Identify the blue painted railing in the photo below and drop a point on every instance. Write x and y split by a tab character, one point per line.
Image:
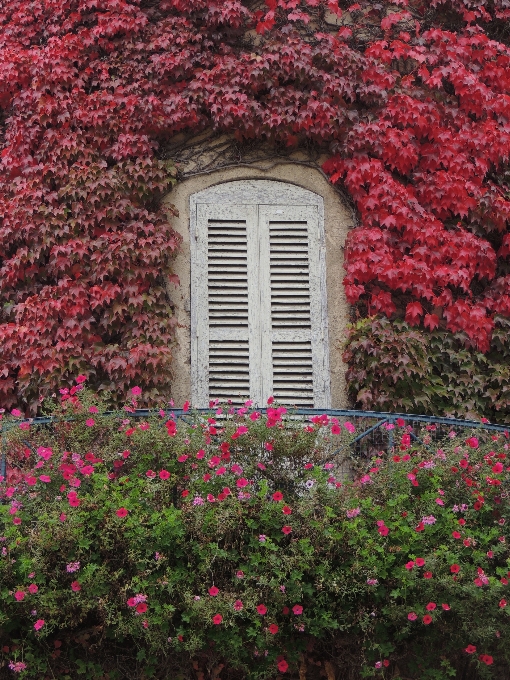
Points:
374	433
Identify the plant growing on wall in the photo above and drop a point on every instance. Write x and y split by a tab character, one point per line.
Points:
411	99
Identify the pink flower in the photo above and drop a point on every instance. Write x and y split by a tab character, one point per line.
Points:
24	426
131	602
297	609
240	574
121	512
164	474
90	422
217	619
75	585
349	427
238	605
45	478
31	481
439	501
135	391
420	561
213	591
241	483
412	616
335	429
185	406
182	458
19	595
384	531
255	415
93	409
63	517
39	624
446	607
431	606
15	412
286	530
33	588
16	520
150	474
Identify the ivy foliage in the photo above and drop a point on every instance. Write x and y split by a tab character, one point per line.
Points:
410	99
395	367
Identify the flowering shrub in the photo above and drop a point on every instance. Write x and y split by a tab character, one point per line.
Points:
231	542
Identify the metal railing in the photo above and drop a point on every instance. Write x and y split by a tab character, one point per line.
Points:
374	430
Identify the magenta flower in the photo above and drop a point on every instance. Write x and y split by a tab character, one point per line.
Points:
412	616
19	595
136	391
39	624
213	591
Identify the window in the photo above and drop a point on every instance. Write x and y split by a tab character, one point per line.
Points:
258	295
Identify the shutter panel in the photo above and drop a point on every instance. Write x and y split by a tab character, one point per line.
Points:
224	282
294	359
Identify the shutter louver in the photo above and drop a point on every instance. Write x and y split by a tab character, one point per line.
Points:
290	313
227	278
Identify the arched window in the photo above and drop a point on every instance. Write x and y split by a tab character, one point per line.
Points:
258	295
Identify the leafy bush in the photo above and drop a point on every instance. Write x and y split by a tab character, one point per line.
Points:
393	366
230	544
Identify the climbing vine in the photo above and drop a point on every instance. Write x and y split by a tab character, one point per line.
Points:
410	99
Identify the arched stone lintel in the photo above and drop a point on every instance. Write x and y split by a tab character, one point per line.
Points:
338	220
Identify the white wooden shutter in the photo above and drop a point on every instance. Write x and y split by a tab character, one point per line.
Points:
258	297
294	362
225	301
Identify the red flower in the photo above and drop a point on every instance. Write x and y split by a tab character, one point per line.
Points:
297	609
446	607
462	522
286	510
502	603
286	529
431	606
121	512
261	609
285	611
486	658
409	565
278	496
141	608
217	619
241	483
273	629
420	527
282	666
384	531
420	561
33	588
455	568
455	534
477	505
427	574
75	585
427	619
470	649
386	663
213	591
185	493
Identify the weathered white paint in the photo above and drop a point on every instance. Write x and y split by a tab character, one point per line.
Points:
258	285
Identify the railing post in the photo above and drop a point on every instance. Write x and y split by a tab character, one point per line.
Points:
391	437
